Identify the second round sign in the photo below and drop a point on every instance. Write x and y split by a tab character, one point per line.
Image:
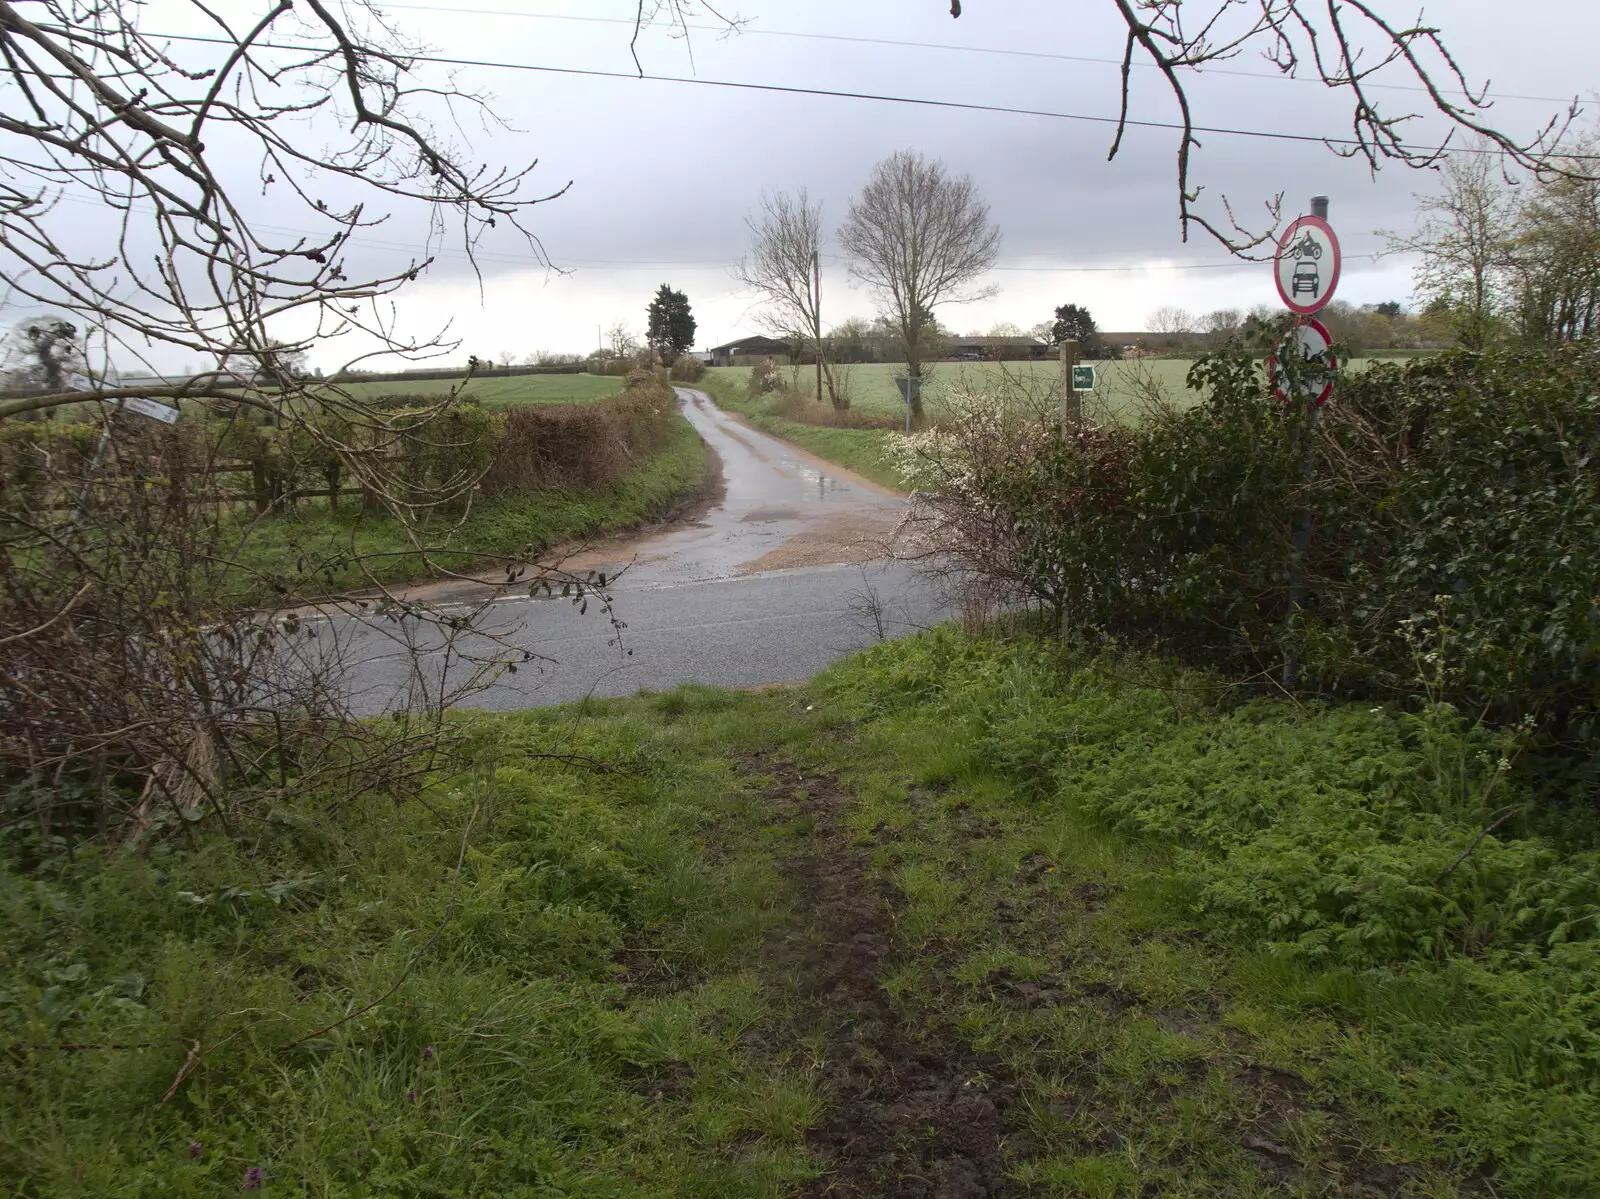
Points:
1307	265
1308	346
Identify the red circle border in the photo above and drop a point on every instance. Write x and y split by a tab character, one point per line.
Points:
1338	265
1333	362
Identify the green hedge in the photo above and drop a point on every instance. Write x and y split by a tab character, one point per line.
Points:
1454	530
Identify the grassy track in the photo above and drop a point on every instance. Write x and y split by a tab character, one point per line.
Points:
508	392
903	928
317	545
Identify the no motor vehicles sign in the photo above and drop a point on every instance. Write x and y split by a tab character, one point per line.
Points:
1307	265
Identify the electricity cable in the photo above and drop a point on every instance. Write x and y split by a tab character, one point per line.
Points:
744	30
877	97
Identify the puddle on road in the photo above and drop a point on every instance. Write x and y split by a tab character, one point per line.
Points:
763	516
825	483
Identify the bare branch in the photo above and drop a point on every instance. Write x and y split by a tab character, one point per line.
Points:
1350	47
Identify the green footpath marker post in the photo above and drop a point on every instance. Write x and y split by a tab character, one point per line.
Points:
1071	407
1083	377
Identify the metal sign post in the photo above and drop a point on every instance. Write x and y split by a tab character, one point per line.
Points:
1306	269
909	386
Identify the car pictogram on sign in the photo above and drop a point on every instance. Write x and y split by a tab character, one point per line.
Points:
1307	265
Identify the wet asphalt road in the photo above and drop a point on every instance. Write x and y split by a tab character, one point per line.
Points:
781	579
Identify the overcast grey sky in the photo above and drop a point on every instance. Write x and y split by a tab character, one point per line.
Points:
663	174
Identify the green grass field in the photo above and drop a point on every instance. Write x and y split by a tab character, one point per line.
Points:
872	386
510	392
1117	397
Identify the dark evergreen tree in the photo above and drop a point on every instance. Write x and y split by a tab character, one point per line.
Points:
1073	323
670	328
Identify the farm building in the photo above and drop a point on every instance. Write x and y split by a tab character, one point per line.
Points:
747	351
989	349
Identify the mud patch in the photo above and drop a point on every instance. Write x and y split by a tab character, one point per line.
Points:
910	1112
847	538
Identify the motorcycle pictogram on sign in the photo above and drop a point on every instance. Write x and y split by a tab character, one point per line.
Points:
1307	265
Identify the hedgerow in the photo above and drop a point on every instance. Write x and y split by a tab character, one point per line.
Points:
1453	506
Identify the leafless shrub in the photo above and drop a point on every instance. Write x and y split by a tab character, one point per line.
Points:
803	409
955	528
578	446
137	684
152	659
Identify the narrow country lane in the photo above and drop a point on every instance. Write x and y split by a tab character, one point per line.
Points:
787	574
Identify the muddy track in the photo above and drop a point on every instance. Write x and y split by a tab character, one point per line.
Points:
910	1112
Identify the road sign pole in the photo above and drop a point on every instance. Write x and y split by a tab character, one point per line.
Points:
1300	531
1071	406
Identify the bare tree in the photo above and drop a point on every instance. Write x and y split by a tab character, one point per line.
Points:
1555	258
1348	47
783	268
99	112
919	237
675	15
1170	321
1463	237
621	341
1221	323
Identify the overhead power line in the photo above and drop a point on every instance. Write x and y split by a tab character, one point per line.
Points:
654	264
900	43
840	94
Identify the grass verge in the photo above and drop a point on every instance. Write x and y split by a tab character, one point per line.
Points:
570	974
858	450
317	548
1005	917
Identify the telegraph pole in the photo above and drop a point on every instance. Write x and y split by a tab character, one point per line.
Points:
816	312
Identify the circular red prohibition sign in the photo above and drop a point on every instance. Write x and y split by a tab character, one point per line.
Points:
1310	339
1306	268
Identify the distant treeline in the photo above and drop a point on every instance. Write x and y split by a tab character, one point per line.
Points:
455	372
